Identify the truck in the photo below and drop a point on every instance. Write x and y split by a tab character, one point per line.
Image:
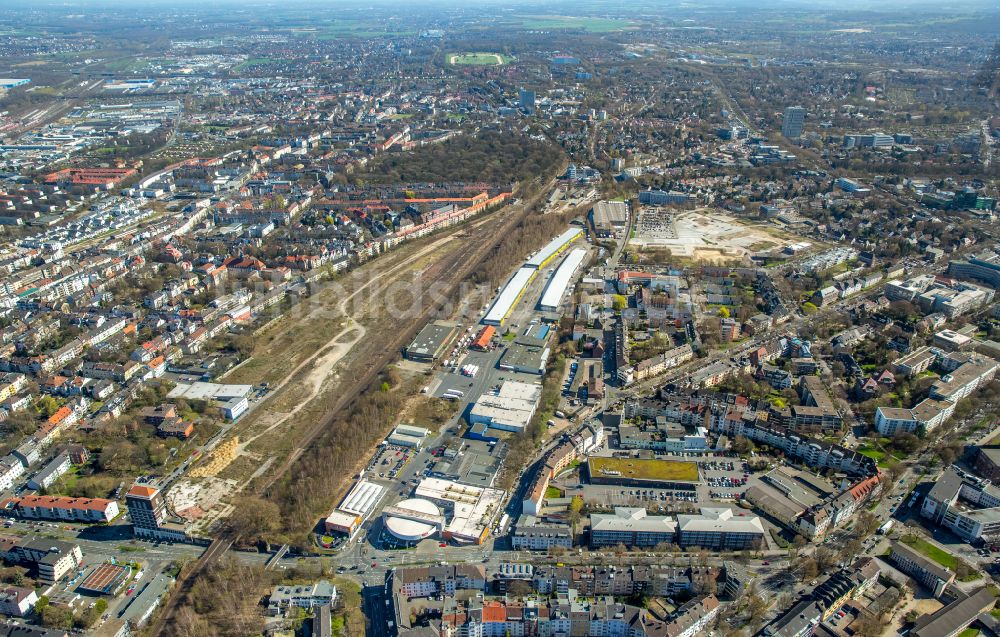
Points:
885	528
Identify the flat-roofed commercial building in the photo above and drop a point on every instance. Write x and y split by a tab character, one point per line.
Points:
533	535
719	529
968	506
987	463
510	409
408	436
471	510
527	355
984	268
106	579
631	526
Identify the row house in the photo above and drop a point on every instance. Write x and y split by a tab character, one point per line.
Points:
747	422
43	507
431	581
120	373
105	330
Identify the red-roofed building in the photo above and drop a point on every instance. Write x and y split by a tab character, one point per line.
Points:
44	507
494	612
93	178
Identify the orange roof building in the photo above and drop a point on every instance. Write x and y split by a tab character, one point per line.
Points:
46	507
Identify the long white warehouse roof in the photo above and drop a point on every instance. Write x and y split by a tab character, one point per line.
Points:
553	247
508	296
560	280
362	498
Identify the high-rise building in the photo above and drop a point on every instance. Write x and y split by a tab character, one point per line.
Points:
148	510
791	124
527	100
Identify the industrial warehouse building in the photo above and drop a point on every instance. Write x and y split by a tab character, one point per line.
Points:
610	218
431	342
512	291
556	288
408	436
510	409
527	355
553	248
232	400
509	296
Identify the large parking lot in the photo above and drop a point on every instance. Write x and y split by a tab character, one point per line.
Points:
389	461
723	479
610	496
726	478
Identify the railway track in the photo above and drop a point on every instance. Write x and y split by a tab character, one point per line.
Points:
215	550
451	271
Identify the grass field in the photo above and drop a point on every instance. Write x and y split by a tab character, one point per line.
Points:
477	59
872	453
633	468
593	25
253	62
925	548
939	555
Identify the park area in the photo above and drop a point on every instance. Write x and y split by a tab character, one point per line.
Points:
477	59
609	469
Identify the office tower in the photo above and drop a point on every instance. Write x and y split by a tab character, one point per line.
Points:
791	125
527	100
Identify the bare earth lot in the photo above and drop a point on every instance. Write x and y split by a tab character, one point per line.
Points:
701	235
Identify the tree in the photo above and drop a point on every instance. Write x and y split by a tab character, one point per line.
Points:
519	588
618	302
894	470
742	445
825	558
756	605
809	569
866	524
575	509
253	518
56	617
47	405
